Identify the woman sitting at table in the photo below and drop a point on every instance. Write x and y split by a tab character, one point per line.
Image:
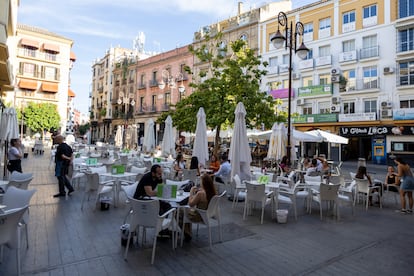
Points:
214	163
199	198
392	179
326	169
194	165
179	165
362	174
284	166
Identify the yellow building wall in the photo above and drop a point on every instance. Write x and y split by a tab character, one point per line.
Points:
316	15
357	6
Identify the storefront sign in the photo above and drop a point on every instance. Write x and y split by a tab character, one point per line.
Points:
308	91
315	118
404	114
376	130
282	93
353	117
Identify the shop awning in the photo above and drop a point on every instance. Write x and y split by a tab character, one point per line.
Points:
50	87
29	42
51	47
72	56
28	84
71	93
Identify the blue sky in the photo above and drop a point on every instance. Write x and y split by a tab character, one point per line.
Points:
96	25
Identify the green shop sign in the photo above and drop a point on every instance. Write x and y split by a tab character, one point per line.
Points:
308	91
316	118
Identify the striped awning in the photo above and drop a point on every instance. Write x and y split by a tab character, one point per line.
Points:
51	47
29	42
50	87
28	84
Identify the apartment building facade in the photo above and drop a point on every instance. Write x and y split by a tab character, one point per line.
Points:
8	26
243	26
357	79
42	61
102	89
161	83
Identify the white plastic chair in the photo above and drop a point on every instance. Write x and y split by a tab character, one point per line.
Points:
363	188
21	184
10	232
257	193
15	175
328	193
289	195
347	195
239	187
18	198
145	213
207	217
94	186
190	175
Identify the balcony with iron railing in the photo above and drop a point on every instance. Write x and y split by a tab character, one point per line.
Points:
166	107
141	85
153	83
153	108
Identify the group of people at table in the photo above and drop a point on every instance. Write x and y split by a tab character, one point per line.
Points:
199	195
401	181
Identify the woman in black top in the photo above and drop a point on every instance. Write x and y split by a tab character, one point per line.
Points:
392	179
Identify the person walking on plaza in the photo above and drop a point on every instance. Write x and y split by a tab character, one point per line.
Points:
15	156
407	184
63	158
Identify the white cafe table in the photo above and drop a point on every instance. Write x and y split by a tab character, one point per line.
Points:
270	185
118	179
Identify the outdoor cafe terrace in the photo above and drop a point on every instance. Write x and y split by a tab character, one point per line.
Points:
64	239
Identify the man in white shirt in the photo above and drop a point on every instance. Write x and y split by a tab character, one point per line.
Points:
223	174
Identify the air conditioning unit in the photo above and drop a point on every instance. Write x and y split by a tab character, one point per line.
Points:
336	108
388	70
295	76
335	71
300	102
335	78
385	105
336	100
387	113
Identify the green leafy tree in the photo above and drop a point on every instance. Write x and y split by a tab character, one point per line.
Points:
84	128
40	117
233	75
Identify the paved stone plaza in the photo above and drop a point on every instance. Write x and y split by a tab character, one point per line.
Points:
63	240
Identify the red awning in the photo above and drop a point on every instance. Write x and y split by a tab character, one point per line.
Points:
72	56
28	84
29	42
71	93
51	47
50	87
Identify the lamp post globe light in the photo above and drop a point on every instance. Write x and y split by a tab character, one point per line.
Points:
171	81
129	104
290	41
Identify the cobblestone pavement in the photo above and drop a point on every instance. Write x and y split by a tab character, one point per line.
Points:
63	240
